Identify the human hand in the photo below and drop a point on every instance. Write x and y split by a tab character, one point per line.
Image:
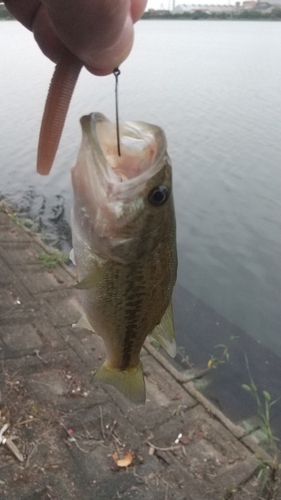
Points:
95	33
98	32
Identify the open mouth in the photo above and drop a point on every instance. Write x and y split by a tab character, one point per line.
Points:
137	149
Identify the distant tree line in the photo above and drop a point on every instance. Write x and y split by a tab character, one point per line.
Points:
275	15
4	14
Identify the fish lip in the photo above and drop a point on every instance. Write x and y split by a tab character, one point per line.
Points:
103	171
89	131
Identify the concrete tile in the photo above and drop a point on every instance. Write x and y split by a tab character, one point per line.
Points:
236	474
164	397
46	390
11	233
25	332
19	336
63	306
21	252
6	275
7	300
89	347
37	279
213	456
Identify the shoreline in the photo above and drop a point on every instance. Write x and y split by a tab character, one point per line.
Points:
173	406
200	330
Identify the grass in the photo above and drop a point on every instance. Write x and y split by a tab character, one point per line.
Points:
53	259
269	476
16	219
214	360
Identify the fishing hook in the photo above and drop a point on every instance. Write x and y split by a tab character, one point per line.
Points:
116	73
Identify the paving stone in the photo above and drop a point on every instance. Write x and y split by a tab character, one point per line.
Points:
51	385
55	380
247	491
37	279
20	337
185	486
54	490
100	419
68	428
21	253
44	474
14	296
138	492
7	300
164	397
236	474
4	219
22	333
203	430
96	464
63	306
89	347
212	455
124	485
6	275
10	233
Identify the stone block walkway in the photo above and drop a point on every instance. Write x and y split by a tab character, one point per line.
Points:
64	435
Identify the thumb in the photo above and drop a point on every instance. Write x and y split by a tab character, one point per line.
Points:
98	32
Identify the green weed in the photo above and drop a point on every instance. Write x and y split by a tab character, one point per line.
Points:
269	476
53	259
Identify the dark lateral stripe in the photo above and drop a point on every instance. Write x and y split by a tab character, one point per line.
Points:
135	287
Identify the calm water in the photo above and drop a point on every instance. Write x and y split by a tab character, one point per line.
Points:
215	89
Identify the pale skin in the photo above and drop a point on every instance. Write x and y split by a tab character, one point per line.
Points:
97	34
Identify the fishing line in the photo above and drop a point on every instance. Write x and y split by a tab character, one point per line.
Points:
116	73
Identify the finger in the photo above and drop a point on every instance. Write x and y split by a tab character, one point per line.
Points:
24	14
99	32
104	61
137	9
45	35
33	15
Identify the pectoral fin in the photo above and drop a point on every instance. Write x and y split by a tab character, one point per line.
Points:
83	323
72	257
164	333
91	280
129	382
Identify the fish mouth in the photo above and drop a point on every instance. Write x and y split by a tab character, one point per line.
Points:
142	148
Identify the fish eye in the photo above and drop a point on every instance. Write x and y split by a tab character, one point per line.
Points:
158	196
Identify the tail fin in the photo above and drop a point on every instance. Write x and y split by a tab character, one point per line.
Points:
130	382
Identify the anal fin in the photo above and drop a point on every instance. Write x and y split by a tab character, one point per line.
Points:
83	323
72	257
164	333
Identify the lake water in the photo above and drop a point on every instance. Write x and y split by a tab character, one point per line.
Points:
214	87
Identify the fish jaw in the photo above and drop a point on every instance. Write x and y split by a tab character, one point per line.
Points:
111	202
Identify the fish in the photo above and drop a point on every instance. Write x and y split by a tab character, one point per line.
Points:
124	245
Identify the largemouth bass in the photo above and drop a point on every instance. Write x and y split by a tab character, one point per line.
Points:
124	245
